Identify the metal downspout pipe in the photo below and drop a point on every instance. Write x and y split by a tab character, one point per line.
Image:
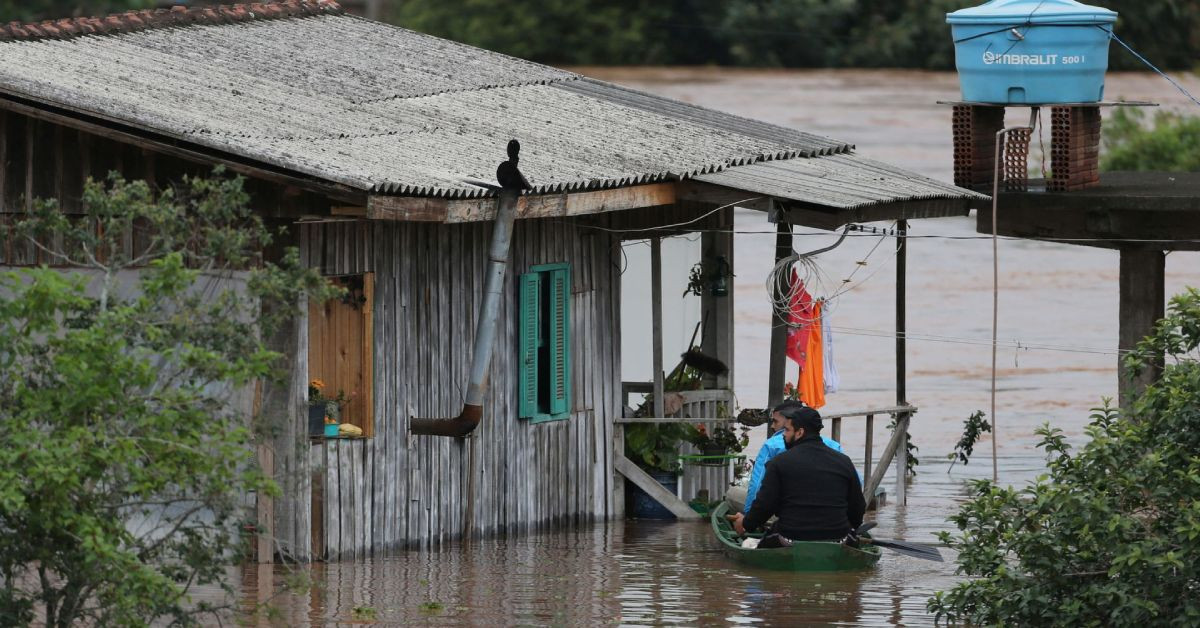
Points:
485	331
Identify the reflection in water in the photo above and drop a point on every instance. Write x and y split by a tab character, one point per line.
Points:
630	573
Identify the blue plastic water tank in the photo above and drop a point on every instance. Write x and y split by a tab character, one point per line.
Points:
1031	51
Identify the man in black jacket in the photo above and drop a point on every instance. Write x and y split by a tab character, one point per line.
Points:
813	489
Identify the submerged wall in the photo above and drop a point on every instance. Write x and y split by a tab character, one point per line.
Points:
398	490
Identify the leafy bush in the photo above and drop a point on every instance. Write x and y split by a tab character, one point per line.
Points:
124	458
35	10
1171	142
796	33
1111	534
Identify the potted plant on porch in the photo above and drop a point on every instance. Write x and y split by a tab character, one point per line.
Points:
323	412
654	447
719	441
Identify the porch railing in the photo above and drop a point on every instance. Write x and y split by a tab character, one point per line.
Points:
896	448
704	407
710	408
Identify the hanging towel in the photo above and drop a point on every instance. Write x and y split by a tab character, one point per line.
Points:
811	384
800	315
831	374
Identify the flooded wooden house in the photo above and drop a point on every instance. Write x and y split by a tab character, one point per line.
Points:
378	147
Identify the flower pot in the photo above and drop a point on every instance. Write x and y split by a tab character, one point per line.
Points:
331	430
316	419
639	505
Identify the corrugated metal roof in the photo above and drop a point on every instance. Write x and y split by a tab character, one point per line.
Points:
839	181
392	111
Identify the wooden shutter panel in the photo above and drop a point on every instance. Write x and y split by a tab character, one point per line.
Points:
560	341
530	324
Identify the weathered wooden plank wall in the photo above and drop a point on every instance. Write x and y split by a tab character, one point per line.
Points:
398	490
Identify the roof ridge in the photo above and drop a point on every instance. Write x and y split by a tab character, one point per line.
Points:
132	21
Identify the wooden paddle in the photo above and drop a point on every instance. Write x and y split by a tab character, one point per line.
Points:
916	550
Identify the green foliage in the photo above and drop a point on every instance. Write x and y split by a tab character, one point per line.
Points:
1170	143
36	10
617	32
910	468
722	439
1166	32
126	453
795	33
655	446
973	428
1110	535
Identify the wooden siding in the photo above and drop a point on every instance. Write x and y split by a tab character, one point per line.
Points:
398	490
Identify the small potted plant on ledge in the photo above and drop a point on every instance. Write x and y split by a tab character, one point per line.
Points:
323	412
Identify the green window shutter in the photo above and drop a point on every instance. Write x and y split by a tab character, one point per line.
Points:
530	325
560	340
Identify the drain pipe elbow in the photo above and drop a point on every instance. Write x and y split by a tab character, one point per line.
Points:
485	331
457	427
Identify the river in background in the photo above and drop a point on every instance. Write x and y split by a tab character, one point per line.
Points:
1058	301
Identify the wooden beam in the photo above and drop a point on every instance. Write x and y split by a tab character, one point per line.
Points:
865	413
777	359
718	311
348	211
820	217
673	419
423	209
720	195
655	490
656	322
414	209
889	452
1142	304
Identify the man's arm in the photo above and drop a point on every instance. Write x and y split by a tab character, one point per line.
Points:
765	453
856	505
767	503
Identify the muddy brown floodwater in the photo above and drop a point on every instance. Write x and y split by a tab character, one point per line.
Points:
1059	302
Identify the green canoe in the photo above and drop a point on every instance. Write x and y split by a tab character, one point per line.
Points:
801	556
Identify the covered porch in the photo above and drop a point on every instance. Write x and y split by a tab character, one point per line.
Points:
834	194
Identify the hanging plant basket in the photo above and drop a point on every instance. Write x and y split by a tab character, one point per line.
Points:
753	417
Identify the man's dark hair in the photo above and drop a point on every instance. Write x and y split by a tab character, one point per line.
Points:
801	416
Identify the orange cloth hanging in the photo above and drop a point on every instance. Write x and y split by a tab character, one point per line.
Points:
811	384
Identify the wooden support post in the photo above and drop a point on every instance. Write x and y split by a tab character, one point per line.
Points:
901	374
618	487
653	488
265	509
656	308
837	430
1143	298
867	460
778	357
876	477
718	311
902	461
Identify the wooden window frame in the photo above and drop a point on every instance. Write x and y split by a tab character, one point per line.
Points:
367	398
544	344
